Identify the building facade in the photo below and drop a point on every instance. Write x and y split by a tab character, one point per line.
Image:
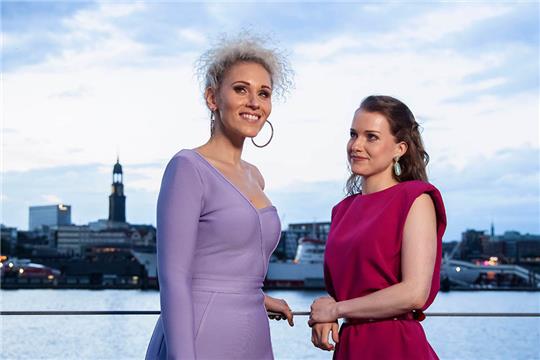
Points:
74	239
49	215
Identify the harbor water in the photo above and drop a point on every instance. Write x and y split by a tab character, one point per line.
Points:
126	336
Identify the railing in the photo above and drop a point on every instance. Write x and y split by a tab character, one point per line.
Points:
295	313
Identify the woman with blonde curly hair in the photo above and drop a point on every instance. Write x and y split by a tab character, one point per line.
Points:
216	228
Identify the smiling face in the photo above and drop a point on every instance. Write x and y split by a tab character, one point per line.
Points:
243	101
372	147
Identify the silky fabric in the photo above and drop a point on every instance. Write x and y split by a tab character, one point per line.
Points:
213	248
363	255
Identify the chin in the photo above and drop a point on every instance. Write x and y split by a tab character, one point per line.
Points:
251	131
359	171
250	134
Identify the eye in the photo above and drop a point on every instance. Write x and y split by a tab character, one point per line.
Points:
240	89
372	137
353	134
265	94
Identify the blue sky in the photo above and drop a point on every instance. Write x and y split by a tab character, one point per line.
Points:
85	80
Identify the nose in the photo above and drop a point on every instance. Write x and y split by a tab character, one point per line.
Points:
252	101
357	145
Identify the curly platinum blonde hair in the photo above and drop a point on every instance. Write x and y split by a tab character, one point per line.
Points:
228	51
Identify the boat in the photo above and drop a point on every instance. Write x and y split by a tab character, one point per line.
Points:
488	274
25	270
147	257
305	271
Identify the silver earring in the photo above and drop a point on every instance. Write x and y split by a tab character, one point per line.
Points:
212	121
397	167
271	136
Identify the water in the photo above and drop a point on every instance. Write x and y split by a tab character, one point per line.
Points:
126	337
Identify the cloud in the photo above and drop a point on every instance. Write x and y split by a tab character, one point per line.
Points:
193	36
51	199
9	131
425	30
503	188
445	20
85	82
30	30
71	93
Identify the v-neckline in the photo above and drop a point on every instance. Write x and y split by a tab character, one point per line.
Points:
221	175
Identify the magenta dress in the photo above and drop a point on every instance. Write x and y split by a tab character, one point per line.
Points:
213	249
363	255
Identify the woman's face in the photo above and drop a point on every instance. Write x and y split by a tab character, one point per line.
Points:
243	100
372	147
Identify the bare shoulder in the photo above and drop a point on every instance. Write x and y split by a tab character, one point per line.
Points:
424	202
254	172
422	208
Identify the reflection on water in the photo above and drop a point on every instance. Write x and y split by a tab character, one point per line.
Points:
126	337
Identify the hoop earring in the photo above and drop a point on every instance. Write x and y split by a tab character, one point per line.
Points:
397	167
271	136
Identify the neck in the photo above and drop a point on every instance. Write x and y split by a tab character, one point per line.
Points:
225	149
377	182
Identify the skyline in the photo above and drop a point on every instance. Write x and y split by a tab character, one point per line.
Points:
84	81
492	226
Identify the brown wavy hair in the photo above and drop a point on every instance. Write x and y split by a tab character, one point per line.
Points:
403	127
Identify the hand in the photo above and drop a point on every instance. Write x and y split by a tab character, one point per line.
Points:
279	306
320	332
323	310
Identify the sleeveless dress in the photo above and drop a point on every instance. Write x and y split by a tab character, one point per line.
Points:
213	248
363	255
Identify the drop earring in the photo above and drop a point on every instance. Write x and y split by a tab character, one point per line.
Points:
397	167
212	121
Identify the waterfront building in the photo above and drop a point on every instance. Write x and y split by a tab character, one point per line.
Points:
143	235
73	240
8	236
49	215
511	247
473	243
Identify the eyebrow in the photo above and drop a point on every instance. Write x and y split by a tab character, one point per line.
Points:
367	131
247	83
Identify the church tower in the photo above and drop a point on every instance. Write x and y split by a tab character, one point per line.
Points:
117	199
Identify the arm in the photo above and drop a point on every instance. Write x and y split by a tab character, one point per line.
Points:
178	211
418	255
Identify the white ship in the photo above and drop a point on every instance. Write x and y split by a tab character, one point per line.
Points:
466	274
305	271
146	256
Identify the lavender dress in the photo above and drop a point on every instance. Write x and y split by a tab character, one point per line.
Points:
213	249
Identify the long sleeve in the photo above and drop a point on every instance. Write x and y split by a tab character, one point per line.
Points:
178	211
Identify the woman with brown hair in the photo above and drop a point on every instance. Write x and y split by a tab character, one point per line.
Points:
383	253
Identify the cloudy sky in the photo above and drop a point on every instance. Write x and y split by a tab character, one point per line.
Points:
85	81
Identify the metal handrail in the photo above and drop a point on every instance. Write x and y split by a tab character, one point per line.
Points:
295	313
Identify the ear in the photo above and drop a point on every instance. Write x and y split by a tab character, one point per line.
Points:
401	149
211	100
